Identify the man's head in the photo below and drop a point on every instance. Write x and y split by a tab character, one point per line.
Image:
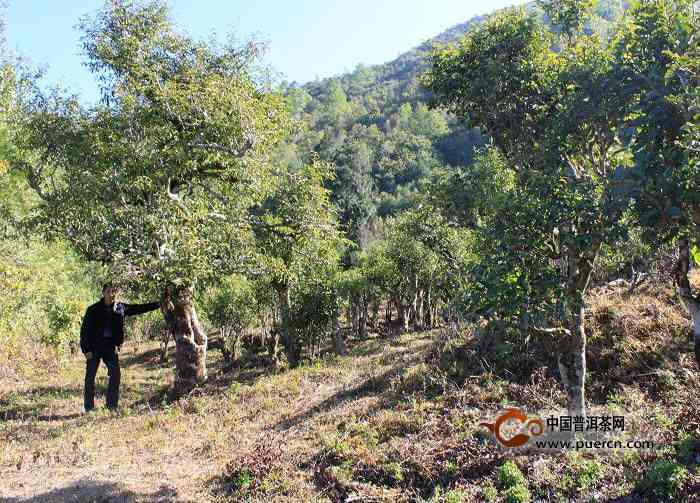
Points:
109	292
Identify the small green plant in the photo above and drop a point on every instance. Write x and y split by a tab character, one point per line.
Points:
451	468
394	470
368	433
337	448
489	492
63	320
663	420
517	494
233	389
664	479
616	399
566	484
509	475
685	448
454	496
243	479
250	471
586	473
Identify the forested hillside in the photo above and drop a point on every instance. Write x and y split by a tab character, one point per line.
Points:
375	126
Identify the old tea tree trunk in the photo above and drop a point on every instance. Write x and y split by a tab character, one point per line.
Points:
572	350
691	301
190	340
571	339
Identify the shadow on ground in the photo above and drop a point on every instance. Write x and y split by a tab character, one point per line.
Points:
30	403
377	385
150	357
87	490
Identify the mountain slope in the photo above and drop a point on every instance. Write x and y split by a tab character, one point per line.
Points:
396	419
374	125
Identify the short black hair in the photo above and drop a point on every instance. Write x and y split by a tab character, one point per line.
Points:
107	285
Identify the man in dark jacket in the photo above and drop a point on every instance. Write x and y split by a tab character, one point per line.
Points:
101	335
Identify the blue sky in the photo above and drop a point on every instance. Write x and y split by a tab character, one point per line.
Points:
308	38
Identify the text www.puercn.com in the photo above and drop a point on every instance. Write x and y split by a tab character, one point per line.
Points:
594	444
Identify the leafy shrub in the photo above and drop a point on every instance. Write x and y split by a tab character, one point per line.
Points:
232	309
394	470
509	475
590	472
517	494
585	474
455	496
489	492
64	322
686	447
664	479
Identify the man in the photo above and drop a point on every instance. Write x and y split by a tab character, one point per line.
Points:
101	336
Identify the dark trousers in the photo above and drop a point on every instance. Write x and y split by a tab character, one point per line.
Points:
111	359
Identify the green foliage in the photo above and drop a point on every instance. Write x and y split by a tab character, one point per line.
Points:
489	492
509	475
629	254
557	137
43	286
420	256
296	223
374	126
586	472
685	448
517	494
157	179
233	307
657	55
394	470
298	244
63	322
315	309
568	15
664	479
243	479
455	496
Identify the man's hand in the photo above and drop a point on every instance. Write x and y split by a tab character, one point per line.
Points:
88	355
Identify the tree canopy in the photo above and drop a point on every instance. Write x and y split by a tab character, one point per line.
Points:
156	180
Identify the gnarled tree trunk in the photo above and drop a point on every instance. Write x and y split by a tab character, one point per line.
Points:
190	340
572	345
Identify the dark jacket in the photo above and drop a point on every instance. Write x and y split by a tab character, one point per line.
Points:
99	315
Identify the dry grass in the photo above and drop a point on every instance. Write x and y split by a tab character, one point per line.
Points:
394	420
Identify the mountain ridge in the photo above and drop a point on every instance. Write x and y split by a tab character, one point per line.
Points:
374	125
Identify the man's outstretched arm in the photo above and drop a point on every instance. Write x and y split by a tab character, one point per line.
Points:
134	309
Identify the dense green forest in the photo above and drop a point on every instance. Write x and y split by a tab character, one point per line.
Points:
523	188
386	144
